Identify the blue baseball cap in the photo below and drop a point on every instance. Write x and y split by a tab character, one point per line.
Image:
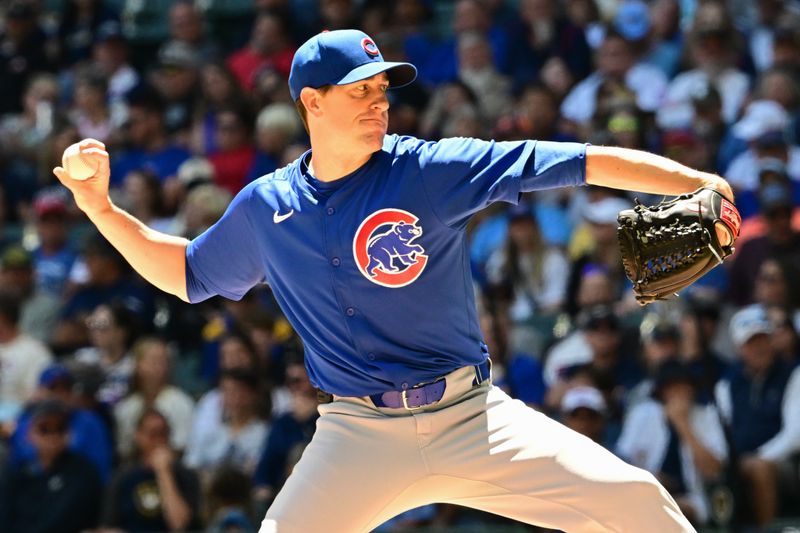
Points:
340	57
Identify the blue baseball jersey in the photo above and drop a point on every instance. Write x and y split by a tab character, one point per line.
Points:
372	270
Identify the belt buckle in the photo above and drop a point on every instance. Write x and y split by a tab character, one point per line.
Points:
404	396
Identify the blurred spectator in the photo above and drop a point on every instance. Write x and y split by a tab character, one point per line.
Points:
438	62
22	359
241	433
269	45
149	146
193	172
449	102
151	388
144	199
585	14
615	65
204	205
713	49
534	270
218	90
515	366
780	240
779	85
277	126
90	114
110	54
89	436
477	71
56	490
186	25
534	116
176	78
295	427
622	125
759	399
108	279
595	245
235	352
676	438
112	331
54	257
709	129
38	310
338	14
228	502
763	126
24	134
666	38
154	492
607	359
773	15
785	338
685	147
546	32
584	410
660	341
270	86
777	284
235	157
556	76
699	326
22	52
785	47
79	23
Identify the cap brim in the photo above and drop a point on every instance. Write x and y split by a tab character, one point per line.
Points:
400	74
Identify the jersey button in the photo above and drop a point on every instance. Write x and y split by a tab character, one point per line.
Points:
336	261
404	385
330	210
350	311
371	356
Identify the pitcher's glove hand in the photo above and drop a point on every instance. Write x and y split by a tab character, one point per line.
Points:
668	246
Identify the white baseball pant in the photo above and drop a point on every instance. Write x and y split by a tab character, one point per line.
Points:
476	447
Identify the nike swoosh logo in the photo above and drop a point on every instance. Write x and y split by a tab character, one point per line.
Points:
276	218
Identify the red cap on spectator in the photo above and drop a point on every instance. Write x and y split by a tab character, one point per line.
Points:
50	204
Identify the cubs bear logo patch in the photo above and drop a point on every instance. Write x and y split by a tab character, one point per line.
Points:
385	251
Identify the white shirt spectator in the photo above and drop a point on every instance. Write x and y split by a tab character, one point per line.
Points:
743	171
645	80
208	412
172	402
242	449
531	294
677	110
22	360
645	439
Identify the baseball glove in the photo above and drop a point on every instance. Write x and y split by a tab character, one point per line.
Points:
668	246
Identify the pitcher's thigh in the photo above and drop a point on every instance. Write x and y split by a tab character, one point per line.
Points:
524	465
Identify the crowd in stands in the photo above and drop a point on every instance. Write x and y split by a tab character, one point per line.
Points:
125	409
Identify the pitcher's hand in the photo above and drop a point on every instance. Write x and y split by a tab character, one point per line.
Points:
91	194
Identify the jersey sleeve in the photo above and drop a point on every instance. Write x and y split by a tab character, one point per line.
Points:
223	260
462	176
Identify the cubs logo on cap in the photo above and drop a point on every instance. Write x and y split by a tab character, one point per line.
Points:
385	251
370	47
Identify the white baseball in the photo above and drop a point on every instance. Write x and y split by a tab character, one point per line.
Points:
78	167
